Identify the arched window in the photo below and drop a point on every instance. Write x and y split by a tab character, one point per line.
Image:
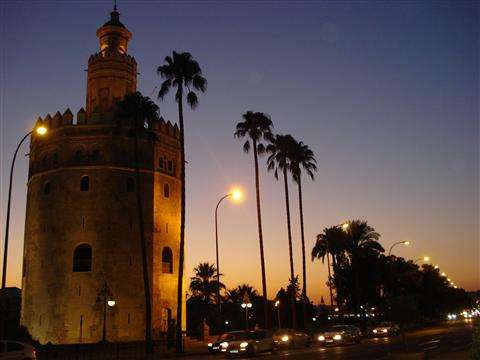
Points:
161	162
167	260
166	190
96	154
47	188
82	258
130	185
85	183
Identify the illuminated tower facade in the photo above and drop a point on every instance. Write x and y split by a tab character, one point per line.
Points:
82	227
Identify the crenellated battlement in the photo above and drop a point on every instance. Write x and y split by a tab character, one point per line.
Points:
108	55
97	117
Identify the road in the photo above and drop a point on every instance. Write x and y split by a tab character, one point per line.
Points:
433	340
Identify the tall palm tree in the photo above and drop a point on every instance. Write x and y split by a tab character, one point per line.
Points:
184	74
330	242
137	108
204	284
361	241
302	159
257	126
281	149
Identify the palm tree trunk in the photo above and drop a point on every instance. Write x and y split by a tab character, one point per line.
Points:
289	227
143	243
329	279
304	264
181	255
260	236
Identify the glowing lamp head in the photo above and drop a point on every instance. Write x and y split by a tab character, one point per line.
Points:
111	303
41	130
426	258
285	338
345	226
236	194
406	243
443	274
249	305
277	303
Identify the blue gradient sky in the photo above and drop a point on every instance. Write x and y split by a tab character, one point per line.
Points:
385	93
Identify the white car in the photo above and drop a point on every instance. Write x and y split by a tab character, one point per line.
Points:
14	350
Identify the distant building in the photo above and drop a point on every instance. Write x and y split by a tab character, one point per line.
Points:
10	303
82	227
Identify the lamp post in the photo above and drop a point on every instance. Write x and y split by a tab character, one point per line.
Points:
424	259
277	305
406	243
236	195
107	301
41	130
246	306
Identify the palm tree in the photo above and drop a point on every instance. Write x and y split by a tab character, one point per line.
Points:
183	73
281	148
330	242
361	242
256	127
236	295
204	284
302	158
140	109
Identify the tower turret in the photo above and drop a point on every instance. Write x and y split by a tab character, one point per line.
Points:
111	72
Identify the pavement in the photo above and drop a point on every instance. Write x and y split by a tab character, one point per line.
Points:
447	341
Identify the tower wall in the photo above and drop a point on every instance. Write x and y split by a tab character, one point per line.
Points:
61	304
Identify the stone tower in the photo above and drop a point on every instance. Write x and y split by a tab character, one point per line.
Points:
82	226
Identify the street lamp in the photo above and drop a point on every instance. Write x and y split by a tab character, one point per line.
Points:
345	226
246	306
406	243
40	130
107	301
277	305
236	194
424	259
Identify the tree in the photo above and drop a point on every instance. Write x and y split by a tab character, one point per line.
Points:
361	243
330	242
237	294
204	284
257	126
302	159
281	148
183	73
140	109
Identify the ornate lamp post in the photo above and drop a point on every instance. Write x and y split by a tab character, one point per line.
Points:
246	304
406	243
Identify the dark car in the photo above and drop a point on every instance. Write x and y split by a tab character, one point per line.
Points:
339	335
385	329
215	347
254	342
291	338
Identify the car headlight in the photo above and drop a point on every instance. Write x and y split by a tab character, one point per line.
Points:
210	344
384	331
285	338
321	338
337	337
224	344
375	331
244	344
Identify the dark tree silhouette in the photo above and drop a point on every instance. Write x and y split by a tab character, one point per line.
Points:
302	159
184	74
281	148
257	126
137	108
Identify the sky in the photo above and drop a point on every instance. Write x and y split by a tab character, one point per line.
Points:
385	93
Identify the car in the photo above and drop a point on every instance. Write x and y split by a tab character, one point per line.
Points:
214	347
254	342
385	329
291	338
15	350
339	335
